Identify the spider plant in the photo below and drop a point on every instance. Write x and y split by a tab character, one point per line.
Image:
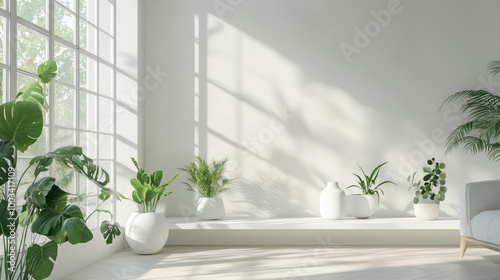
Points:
207	179
367	184
481	132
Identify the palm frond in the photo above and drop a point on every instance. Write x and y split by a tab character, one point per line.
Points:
494	67
207	179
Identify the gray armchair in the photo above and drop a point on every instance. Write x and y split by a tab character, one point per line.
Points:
480	215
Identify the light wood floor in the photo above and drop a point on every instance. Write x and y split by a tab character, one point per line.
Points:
300	262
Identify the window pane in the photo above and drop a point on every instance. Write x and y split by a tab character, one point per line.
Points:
41	145
64	24
105	146
2	4
3	39
106	113
63	137
88	73
70	4
34	11
64	106
105	80
65	58
88	142
106	47
106	16
88	37
64	177
88	10
88	111
31	49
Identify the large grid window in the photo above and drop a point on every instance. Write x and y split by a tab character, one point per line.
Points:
80	36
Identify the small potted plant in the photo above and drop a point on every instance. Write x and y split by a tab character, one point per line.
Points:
429	191
147	230
209	182
363	205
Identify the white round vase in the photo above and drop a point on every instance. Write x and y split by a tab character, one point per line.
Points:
426	209
362	206
332	202
210	208
146	233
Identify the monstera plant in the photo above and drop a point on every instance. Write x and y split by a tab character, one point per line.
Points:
36	215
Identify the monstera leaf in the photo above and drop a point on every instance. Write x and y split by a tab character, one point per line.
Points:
110	231
62	226
37	191
7	216
6	160
21	122
47	71
72	157
40	260
34	93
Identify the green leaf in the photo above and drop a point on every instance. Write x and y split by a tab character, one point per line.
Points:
40	260
6	160
427	177
110	231
442	165
57	198
104	195
105	211
442	182
33	93
37	191
73	157
22	122
47	71
62	226
443	189
415	200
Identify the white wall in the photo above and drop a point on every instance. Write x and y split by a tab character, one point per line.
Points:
267	84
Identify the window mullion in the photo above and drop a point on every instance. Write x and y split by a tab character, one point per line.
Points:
13	51
51	88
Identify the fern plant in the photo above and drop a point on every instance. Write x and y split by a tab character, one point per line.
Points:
481	132
206	179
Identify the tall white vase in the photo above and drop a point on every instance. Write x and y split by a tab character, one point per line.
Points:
146	233
210	208
332	202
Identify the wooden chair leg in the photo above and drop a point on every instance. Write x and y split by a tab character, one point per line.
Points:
464	244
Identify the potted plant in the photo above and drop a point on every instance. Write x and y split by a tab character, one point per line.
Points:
481	130
363	205
46	211
429	191
147	230
209	182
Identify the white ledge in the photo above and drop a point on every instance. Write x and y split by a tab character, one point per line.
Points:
314	223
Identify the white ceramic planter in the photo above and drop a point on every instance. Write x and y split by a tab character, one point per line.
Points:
332	202
210	208
362	206
146	233
426	209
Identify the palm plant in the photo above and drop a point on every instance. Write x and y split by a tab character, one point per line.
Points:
207	179
481	132
367	184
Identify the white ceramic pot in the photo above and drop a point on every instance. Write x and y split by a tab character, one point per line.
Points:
362	206
146	233
426	209
332	202
210	208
